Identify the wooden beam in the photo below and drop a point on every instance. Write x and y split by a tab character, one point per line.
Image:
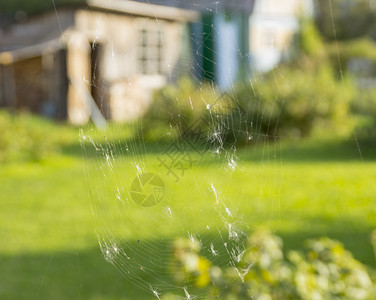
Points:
8	79
146	9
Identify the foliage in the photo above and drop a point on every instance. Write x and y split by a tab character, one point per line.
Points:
341	53
26	137
297	102
325	270
176	108
364	108
356	59
328	271
333	17
304	96
308	40
188	265
269	276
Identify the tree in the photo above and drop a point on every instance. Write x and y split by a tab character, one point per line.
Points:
344	19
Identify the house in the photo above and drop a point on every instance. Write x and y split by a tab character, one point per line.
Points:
105	59
33	64
100	61
219	37
271	28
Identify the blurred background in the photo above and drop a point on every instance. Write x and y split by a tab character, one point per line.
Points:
284	90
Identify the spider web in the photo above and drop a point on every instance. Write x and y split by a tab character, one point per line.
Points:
145	194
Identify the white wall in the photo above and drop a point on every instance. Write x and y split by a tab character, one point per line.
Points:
272	25
227	51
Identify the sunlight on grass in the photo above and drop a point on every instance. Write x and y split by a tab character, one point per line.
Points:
301	190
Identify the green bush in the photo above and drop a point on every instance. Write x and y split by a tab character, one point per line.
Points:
324	270
340	53
304	96
344	20
363	110
328	271
298	103
26	137
308	42
363	104
176	108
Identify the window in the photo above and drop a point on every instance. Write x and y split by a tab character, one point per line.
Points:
269	39
150	53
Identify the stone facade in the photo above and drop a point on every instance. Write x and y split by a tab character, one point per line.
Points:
123	90
95	62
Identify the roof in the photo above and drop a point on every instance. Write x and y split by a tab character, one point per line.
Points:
43	32
145	9
207	6
174	9
33	7
36	35
203	6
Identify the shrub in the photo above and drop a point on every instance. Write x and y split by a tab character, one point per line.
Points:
25	137
325	270
308	41
175	108
342	52
328	271
296	104
299	102
364	110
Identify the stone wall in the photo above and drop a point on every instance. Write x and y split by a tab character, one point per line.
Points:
127	92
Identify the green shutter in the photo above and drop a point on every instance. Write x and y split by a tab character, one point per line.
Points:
208	50
244	70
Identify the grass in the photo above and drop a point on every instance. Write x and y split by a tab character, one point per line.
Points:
49	248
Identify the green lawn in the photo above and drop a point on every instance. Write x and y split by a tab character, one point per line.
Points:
49	248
